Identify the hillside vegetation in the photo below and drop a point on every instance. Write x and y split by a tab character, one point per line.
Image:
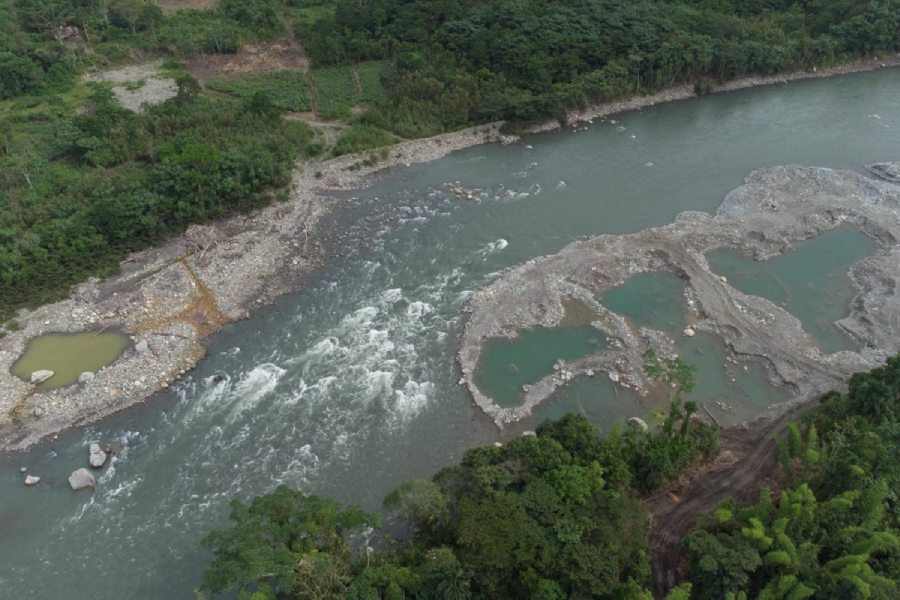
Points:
83	182
559	516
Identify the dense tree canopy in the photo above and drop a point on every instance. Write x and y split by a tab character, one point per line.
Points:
471	60
551	516
834	531
81	182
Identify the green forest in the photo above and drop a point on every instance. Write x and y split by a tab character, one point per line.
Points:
559	515
83	182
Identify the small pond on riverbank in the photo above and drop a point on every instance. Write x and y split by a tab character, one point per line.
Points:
68	355
731	391
507	364
811	281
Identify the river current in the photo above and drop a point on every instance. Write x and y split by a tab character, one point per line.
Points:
350	387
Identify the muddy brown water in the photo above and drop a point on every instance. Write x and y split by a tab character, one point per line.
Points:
68	355
351	387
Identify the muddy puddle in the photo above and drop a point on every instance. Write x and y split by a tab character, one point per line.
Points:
68	355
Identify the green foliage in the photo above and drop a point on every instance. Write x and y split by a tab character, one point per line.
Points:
338	90
552	516
85	190
287	90
835	533
285	544
420	503
456	63
359	137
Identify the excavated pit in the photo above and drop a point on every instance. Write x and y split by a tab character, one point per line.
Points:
775	210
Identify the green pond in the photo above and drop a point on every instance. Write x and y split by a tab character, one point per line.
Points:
731	392
68	355
651	300
506	364
597	398
811	281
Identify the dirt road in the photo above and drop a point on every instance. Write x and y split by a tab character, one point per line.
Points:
671	520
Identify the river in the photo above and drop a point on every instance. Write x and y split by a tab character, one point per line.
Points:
351	387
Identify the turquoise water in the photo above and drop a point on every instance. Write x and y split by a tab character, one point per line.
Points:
651	300
506	364
811	281
731	392
598	399
351	387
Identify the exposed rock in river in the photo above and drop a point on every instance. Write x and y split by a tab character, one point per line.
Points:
809	202
81	479
96	456
637	423
86	377
32	480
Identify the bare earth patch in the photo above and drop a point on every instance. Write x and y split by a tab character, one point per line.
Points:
170	6
138	85
284	55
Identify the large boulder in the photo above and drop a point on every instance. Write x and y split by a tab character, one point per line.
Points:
86	377
81	479
637	423
32	480
41	376
96	455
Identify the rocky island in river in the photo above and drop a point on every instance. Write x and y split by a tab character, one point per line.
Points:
773	211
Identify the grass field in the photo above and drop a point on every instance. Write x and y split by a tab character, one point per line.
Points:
288	90
338	92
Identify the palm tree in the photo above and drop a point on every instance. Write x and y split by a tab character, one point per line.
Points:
453	586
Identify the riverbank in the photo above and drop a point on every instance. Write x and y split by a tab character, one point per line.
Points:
174	296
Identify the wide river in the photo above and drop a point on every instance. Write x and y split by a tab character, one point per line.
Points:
350	387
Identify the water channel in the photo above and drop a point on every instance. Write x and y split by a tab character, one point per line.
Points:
350	387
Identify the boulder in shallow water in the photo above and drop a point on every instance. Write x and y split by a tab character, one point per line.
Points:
86	377
81	479
637	423
689	331
32	480
41	375
96	455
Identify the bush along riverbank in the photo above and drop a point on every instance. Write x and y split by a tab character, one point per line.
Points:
558	515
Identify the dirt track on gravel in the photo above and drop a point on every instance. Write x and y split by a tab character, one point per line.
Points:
674	512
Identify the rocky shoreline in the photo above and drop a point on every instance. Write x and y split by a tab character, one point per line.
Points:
773	211
169	299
